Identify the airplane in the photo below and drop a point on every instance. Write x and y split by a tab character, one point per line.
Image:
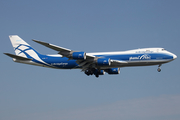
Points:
89	63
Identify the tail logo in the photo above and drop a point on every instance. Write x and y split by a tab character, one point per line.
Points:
22	49
29	52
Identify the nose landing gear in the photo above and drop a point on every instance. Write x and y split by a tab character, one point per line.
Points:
159	69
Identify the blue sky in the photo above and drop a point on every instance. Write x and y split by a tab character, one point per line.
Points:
138	93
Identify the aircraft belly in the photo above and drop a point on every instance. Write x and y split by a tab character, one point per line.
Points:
135	63
143	63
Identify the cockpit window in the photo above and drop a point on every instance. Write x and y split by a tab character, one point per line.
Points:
163	49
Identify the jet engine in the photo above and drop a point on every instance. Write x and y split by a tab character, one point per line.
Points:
79	55
113	71
103	62
101	72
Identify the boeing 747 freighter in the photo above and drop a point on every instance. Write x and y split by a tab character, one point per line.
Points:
90	63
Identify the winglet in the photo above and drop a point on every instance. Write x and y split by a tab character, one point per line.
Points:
40	42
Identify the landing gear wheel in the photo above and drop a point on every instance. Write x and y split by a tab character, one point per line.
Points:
159	69
87	72
97	75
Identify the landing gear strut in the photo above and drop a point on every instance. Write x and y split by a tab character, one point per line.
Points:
159	69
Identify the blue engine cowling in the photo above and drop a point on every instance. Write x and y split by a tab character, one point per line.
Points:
79	55
103	62
101	72
113	71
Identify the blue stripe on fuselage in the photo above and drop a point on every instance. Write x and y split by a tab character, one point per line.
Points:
62	62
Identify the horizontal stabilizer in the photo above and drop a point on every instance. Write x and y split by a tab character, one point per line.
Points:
17	57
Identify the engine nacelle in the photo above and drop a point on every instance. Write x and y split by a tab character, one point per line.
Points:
113	71
103	62
101	72
79	55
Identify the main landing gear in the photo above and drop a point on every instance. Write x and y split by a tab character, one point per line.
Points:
159	69
91	72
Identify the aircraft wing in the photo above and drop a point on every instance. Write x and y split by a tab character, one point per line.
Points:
61	50
85	63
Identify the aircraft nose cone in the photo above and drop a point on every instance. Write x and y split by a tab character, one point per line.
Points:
174	56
